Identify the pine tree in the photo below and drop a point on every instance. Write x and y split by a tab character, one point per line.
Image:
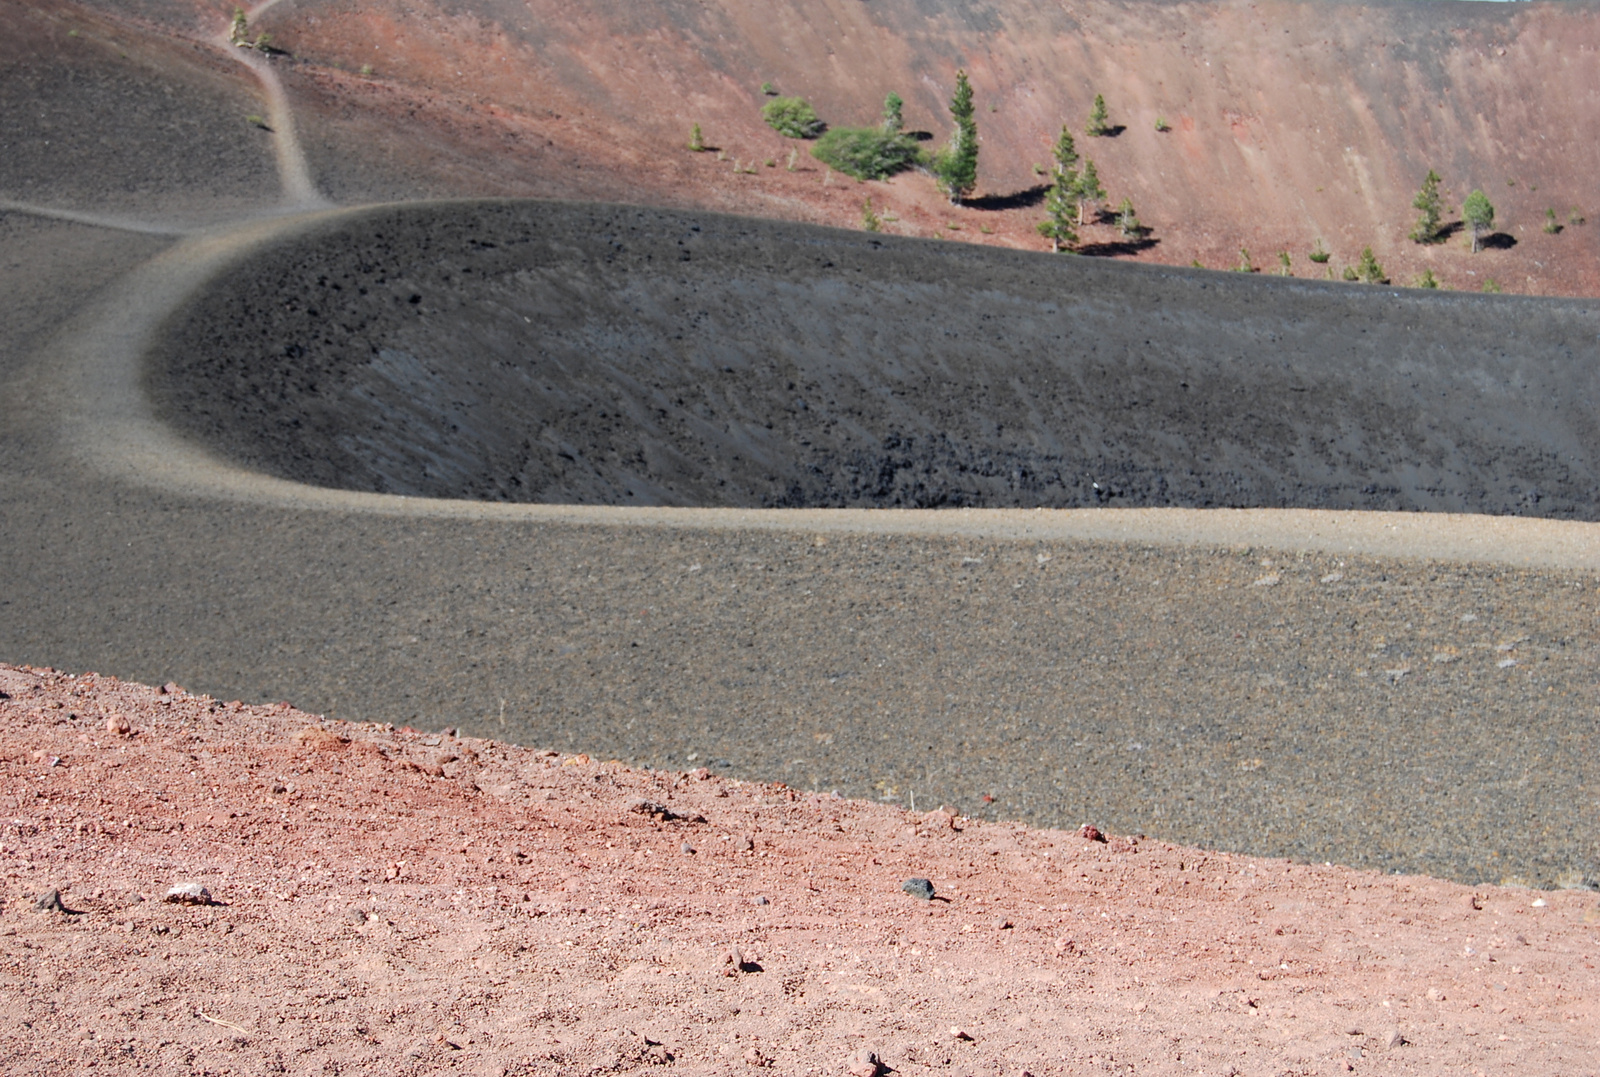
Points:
1370	271
1061	203
697	141
957	164
1128	220
1097	118
1479	215
893	121
1427	201
1427	280
1087	191
1066	155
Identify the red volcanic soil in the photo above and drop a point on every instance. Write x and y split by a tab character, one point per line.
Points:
1290	122
361	899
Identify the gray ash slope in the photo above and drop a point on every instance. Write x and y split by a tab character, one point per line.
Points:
545	352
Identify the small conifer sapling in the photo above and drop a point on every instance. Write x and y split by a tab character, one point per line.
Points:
1128	221
870	220
1370	270
893	118
1087	190
697	141
1097	125
1428	205
1478	212
956	166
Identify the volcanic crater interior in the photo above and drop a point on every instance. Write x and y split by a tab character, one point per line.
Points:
562	353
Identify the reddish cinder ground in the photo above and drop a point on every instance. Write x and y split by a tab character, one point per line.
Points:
389	901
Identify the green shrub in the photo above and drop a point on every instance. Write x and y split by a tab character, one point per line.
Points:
1370	269
1491	286
1319	254
792	117
1162	125
1551	225
769	89
697	141
1427	280
867	152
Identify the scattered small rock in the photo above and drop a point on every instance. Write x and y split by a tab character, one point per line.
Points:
1393	1040
50	901
760	899
1474	901
1435	995
356	916
319	739
686	849
118	726
960	1034
864	1063
754	1057
1003	924
743	844
921	889
1090	833
188	894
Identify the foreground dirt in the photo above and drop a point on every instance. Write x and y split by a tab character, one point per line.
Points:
385	901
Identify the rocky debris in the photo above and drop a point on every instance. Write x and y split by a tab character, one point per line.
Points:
754	1057
959	1034
318	739
686	849
50	901
921	889
864	1063
188	894
1394	1039
659	812
118	726
1090	833
743	844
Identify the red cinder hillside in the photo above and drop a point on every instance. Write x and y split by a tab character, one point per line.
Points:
1290	122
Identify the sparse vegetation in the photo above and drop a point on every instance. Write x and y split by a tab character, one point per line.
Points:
258	121
239	32
1370	270
769	89
1162	125
792	117
1551	225
1128	221
697	141
1350	274
1061	202
1245	265
1087	190
893	114
870	220
1194	263
794	155
1284	264
1575	216
1491	286
956	165
366	71
1319	254
1478	212
772	162
867	152
1097	124
1428	204
1427	280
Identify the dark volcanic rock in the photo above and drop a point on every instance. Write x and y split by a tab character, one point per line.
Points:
613	355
